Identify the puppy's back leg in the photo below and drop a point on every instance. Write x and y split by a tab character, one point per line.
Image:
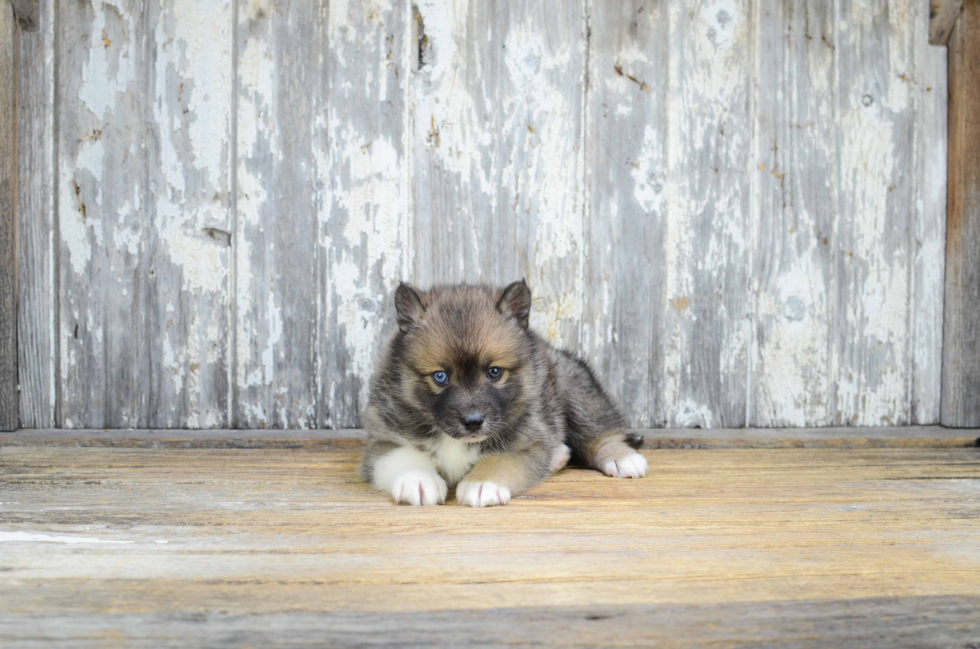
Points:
596	428
614	454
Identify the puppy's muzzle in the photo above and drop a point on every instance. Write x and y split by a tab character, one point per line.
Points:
472	421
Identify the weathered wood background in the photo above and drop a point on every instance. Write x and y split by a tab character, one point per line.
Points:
736	210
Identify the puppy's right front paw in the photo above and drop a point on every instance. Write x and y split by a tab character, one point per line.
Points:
419	487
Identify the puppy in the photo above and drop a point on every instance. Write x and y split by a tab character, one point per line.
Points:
468	395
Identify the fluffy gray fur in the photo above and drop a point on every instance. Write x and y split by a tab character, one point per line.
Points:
543	398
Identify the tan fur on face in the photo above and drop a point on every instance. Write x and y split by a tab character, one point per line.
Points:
488	336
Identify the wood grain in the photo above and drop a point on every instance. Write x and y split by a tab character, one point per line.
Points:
657	438
101	191
365	236
914	622
929	225
798	547
27	13
36	325
709	109
875	59
626	151
186	240
734	210
961	347
795	194
942	19
9	406
498	164
275	292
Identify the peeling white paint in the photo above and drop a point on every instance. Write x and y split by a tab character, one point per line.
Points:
544	169
510	147
877	310
708	88
109	68
77	202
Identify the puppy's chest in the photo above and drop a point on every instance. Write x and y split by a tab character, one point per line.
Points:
454	458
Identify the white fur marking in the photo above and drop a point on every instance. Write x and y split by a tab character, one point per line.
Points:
559	458
455	458
419	487
633	465
410	477
482	494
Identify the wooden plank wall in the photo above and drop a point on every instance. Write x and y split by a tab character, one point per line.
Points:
735	208
961	355
8	223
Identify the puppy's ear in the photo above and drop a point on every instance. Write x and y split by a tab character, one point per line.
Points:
408	306
516	301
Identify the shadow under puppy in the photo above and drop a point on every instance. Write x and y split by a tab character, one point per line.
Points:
467	394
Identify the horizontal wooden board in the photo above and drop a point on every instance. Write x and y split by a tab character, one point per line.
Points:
799	547
913	622
720	438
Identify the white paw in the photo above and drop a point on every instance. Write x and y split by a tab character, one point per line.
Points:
559	458
633	465
419	487
482	494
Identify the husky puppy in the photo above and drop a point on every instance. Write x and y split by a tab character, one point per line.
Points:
467	395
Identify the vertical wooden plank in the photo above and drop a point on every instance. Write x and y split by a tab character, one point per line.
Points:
626	173
929	232
796	180
35	215
188	254
278	87
362	159
27	13
707	234
9	400
540	153
961	339
942	18
100	194
456	114
875	116
498	130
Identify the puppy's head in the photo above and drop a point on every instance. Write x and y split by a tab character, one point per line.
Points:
466	357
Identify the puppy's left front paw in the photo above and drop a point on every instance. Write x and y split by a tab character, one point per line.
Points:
482	494
633	465
559	458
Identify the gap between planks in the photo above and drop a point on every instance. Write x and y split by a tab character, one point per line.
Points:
681	438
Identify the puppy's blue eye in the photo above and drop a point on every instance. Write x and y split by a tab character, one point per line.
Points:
440	377
494	373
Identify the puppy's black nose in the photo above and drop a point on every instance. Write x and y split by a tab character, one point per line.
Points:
472	421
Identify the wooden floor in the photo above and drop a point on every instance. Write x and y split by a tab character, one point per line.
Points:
112	545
